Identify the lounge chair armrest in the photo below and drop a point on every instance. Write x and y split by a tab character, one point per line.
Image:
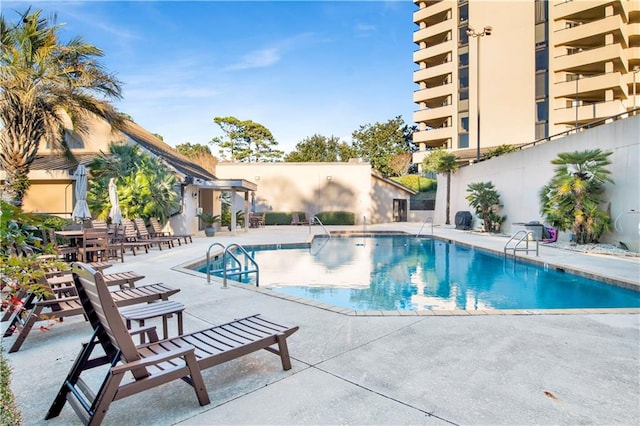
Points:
156	359
56	301
150	331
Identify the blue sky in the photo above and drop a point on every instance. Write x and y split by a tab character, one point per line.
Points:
299	68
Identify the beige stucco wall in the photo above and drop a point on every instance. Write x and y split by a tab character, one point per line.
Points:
504	89
519	176
318	187
53	197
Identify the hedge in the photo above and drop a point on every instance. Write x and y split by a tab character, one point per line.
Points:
327	218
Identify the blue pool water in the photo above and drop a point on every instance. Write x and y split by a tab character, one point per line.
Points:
405	273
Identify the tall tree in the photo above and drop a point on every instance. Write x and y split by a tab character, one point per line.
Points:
246	141
571	200
199	154
44	82
319	148
379	143
441	161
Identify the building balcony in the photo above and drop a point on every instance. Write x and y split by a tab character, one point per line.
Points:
434	137
591	60
599	83
574	10
432	72
587	113
426	115
422	55
424	95
426	13
590	34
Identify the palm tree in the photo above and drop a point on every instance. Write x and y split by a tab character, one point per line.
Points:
146	187
44	83
570	201
440	161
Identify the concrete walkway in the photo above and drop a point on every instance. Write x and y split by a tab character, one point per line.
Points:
351	369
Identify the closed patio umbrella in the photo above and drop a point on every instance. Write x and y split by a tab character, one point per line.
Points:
81	209
115	214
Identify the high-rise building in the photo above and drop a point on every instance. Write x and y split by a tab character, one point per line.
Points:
520	70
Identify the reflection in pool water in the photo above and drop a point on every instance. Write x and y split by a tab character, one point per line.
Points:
405	273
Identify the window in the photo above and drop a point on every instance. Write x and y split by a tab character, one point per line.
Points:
462	35
463	12
463	140
542	110
542	59
542	130
464	123
463	60
464	77
541	11
541	84
464	94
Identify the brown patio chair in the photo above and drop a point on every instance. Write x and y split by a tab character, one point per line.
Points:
95	245
143	235
60	300
67	252
128	236
158	232
134	369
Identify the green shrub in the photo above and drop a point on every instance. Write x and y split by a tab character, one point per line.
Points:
417	183
337	218
9	413
277	218
52	222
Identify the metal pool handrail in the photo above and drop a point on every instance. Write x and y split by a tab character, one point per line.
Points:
224	270
525	236
247	259
209	259
424	222
320	223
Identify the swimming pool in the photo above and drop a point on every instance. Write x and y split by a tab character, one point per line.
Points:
400	272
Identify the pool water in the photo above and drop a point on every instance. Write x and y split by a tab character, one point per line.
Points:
405	273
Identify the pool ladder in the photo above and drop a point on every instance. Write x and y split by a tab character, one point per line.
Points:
316	219
236	267
520	242
426	220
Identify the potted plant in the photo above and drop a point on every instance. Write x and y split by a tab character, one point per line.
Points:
209	220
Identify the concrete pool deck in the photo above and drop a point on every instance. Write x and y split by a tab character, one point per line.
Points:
351	369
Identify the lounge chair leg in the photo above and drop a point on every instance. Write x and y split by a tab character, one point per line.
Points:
284	351
72	378
196	379
26	328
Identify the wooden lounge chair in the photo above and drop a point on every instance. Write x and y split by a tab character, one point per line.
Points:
143	235
295	219
126	279
61	300
158	232
129	237
134	368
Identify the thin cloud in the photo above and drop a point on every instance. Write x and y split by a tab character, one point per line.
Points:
271	55
258	59
365	30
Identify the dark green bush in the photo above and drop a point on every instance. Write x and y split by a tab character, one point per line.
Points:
337	218
277	218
